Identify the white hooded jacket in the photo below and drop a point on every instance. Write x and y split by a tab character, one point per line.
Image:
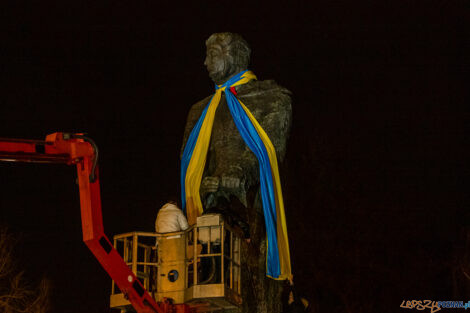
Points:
170	218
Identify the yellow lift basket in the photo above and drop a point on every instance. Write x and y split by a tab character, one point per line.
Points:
199	266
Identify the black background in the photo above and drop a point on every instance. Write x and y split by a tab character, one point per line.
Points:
374	178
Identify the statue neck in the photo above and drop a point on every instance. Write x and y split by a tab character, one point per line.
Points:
225	79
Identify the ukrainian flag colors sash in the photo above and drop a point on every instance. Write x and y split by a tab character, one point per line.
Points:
194	160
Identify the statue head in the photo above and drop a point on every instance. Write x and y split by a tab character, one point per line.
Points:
227	54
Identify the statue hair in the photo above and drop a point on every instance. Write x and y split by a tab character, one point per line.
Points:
237	48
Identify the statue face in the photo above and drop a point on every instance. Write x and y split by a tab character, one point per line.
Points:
218	63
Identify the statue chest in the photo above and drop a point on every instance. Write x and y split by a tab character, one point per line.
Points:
224	131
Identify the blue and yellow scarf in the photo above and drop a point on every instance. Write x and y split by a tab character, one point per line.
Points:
194	160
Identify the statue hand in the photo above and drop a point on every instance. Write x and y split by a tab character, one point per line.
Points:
209	184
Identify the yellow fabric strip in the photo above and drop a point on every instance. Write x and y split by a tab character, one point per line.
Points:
198	159
198	162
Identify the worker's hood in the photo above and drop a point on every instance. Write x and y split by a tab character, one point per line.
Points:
169	206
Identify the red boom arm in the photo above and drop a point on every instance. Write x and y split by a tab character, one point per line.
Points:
76	149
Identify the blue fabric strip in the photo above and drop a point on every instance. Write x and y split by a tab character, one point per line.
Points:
256	145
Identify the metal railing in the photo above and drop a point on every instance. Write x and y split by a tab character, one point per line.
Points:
139	251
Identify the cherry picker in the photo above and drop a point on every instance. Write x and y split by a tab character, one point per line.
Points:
154	273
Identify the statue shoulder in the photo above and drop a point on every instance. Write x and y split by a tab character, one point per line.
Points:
196	111
262	86
266	91
198	107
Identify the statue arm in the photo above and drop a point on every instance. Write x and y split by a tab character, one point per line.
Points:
277	123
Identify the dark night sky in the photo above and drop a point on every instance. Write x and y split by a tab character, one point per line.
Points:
374	179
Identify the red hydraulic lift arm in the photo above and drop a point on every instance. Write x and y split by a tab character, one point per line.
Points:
76	149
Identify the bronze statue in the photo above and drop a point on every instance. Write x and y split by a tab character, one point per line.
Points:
231	176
